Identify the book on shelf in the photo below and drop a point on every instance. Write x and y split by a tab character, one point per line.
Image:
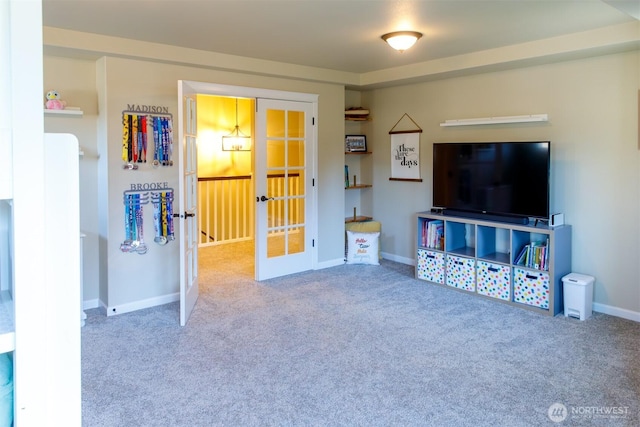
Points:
346	176
534	255
521	255
432	234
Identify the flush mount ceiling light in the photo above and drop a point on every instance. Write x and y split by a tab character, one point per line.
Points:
236	140
401	40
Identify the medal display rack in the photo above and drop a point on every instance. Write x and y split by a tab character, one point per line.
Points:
141	130
134	202
133	222
163	216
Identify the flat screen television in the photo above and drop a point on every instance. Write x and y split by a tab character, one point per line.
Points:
501	179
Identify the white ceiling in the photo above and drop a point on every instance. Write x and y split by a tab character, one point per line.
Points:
340	35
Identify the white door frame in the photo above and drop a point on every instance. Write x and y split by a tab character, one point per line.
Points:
204	88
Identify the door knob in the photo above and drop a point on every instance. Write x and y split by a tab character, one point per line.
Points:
263	198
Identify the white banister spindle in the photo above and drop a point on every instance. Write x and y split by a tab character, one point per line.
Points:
280	202
244	213
226	207
236	218
224	226
207	235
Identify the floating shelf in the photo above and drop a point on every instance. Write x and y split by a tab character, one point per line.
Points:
497	120
70	111
357	152
357	186
357	115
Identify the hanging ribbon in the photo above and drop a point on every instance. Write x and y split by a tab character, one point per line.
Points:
163	216
135	139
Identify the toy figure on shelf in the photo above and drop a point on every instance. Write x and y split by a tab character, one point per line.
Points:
54	102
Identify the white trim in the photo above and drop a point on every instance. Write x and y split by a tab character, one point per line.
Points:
397	258
142	304
329	264
248	92
315	170
92	303
616	311
600	308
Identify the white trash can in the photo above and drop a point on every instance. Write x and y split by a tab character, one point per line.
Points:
578	295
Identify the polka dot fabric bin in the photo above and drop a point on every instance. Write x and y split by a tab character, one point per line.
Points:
461	273
430	266
494	280
531	287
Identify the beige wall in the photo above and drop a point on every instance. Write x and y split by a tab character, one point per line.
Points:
592	106
152	83
75	80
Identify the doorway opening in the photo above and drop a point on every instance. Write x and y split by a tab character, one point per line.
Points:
283	149
226	207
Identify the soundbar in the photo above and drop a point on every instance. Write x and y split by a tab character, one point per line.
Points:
488	217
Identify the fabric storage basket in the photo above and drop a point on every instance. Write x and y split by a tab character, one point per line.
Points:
494	280
431	266
531	287
461	273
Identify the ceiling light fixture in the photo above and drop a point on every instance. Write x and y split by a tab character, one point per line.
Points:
236	140
401	40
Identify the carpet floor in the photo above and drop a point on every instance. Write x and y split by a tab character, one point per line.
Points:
354	346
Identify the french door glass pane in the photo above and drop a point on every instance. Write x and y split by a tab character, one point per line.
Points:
295	153
295	240
295	125
275	123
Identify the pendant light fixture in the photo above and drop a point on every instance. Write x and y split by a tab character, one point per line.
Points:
401	40
236	140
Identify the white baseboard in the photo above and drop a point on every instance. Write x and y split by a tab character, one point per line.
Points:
166	299
616	311
139	305
600	308
390	257
397	258
330	263
89	304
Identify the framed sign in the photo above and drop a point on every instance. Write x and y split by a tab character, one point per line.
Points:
355	143
405	151
405	156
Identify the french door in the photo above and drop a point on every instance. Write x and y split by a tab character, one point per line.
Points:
188	181
284	180
284	171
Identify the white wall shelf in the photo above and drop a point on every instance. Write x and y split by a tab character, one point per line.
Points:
69	111
497	120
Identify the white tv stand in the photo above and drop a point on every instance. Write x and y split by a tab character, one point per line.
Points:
479	256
